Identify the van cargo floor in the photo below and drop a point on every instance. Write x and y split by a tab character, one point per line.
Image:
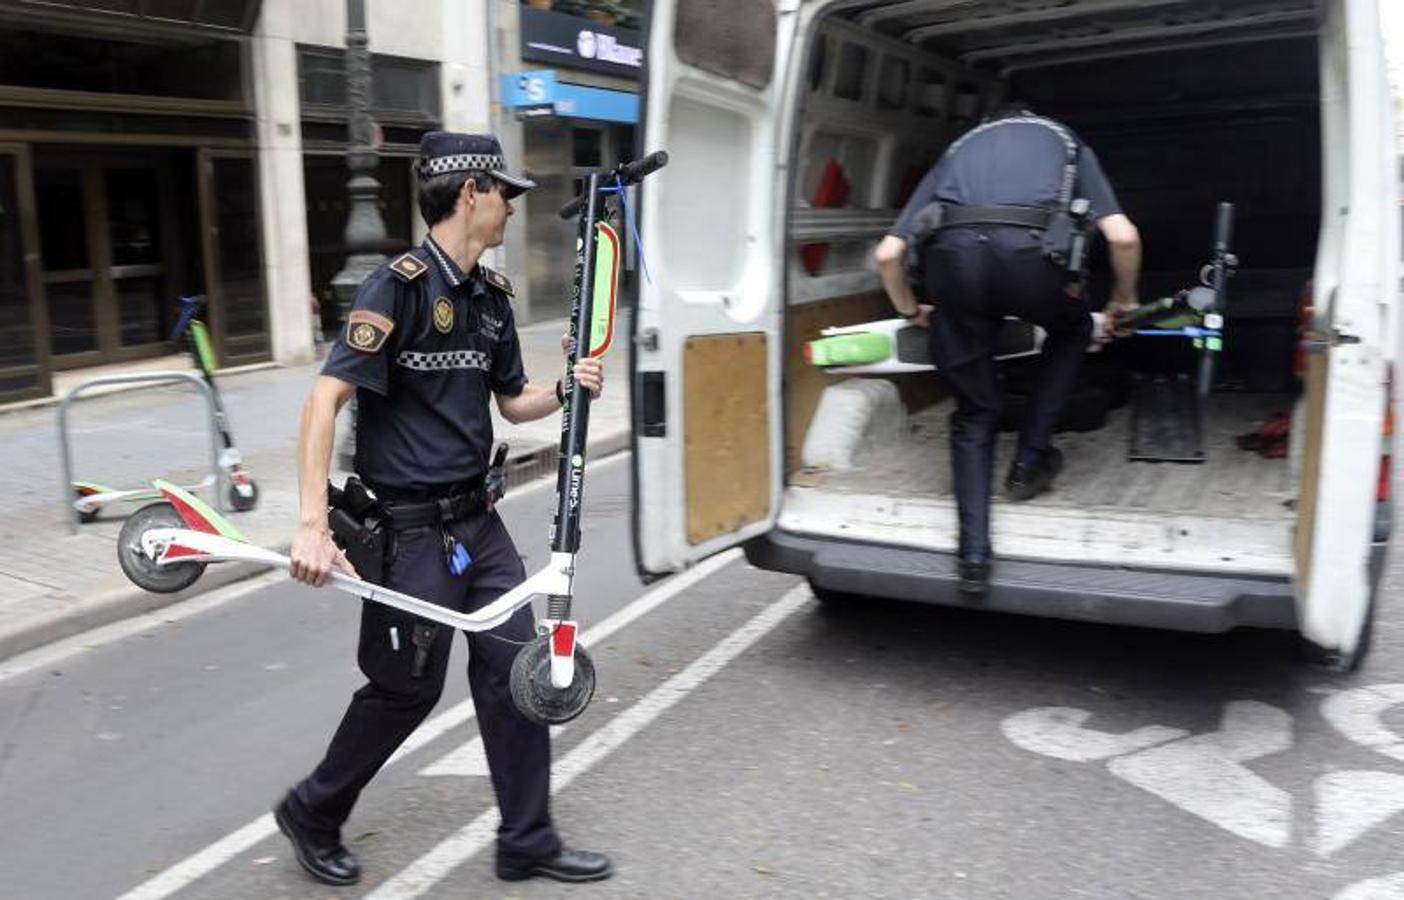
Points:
1231	512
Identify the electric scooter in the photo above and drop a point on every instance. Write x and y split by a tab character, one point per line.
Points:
90	497
164	547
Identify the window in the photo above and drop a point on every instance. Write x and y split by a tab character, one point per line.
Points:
931	94
852	69
893	83
403	88
74	62
818	58
586	148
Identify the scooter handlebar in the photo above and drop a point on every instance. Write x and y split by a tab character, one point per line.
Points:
629	173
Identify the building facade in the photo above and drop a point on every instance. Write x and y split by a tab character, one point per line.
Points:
156	148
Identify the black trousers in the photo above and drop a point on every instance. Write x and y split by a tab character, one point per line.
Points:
978	276
394	701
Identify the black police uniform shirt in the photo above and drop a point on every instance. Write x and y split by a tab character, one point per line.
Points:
427	345
1014	161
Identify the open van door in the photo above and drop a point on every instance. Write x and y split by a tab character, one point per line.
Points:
706	350
1355	288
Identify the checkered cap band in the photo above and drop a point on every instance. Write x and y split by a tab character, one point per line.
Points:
448	359
462	162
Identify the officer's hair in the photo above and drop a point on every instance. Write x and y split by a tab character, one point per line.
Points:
438	194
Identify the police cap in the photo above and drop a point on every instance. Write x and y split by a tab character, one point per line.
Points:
441	152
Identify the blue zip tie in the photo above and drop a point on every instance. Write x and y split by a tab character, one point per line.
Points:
630	224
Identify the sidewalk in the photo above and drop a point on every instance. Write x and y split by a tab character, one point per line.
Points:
53	584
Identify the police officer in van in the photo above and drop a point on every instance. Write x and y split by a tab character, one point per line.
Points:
997	229
429	341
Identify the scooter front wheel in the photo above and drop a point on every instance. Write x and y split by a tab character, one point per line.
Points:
537	698
142	569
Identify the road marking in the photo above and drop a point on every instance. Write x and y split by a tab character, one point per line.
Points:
470	760
477	835
1205	774
1058	731
222	851
59	651
1359	715
1391	887
1348	804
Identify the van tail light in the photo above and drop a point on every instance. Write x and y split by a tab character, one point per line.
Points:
1382	487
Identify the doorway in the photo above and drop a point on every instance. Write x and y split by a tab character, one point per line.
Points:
109	253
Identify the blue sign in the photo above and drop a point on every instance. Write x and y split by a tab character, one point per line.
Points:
538	93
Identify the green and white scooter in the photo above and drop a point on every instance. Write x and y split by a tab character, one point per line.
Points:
89	498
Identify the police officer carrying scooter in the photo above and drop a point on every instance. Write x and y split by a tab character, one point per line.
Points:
430	340
998	228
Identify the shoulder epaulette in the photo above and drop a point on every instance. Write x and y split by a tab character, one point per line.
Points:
498	280
408	266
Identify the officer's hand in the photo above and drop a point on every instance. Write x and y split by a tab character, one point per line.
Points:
1117	307
590	373
313	556
923	316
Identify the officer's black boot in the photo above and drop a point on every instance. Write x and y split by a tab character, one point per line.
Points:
1027	480
563	865
321	855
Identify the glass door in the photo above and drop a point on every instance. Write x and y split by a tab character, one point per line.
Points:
24	358
229	211
105	227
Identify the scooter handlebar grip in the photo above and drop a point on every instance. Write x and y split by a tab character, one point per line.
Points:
641	169
572	208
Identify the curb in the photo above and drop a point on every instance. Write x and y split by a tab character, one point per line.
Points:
127	600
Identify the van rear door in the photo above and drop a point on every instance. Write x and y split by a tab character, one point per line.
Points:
1355	287
706	348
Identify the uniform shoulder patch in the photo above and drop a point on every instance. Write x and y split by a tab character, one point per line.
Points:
408	266
366	331
498	280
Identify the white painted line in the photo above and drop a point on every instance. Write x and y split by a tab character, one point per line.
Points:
57	652
1058	731
429	869
203	862
1391	887
52	654
470	760
1359	714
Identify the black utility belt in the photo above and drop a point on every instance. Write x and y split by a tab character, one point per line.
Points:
950	215
459	505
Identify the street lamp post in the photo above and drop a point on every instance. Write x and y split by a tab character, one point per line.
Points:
365	229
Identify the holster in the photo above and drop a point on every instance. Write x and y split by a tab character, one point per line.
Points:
358	527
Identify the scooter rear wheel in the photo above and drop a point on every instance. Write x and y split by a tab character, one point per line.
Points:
537	698
142	569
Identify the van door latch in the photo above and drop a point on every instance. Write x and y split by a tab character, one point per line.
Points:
648	339
1319	343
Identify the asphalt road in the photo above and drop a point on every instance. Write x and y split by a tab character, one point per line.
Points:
744	742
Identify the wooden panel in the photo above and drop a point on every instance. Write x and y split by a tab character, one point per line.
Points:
804	383
1318	372
726	433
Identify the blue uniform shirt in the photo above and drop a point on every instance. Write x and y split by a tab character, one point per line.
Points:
1013	161
427	345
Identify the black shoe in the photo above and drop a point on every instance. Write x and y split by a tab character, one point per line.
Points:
974	575
321	857
567	865
1027	482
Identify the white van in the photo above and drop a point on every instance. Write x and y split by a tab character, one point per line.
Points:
801	124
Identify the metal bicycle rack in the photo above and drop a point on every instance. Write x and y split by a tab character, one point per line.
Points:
162	377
